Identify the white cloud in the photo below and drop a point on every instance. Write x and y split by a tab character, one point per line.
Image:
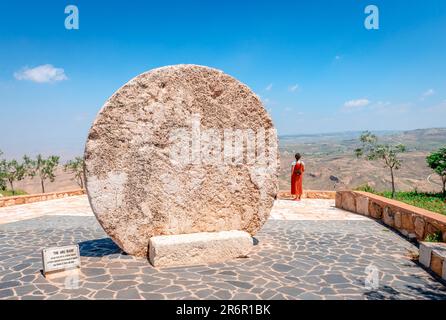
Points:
293	88
269	87
41	74
359	103
427	94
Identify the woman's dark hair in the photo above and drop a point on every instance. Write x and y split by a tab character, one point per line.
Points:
297	156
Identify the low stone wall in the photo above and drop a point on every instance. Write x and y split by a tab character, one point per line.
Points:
411	221
16	200
309	194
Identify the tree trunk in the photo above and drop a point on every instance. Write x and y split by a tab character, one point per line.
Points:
43	186
443	179
393	182
12	187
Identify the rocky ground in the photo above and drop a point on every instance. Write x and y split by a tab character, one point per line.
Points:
347	172
332	165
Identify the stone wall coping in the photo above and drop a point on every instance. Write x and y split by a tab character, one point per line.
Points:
35	195
407	207
411	221
38	197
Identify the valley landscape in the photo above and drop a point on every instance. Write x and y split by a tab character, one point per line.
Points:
331	163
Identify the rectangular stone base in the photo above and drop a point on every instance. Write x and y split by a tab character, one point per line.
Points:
198	248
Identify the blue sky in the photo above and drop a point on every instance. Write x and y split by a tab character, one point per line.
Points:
313	63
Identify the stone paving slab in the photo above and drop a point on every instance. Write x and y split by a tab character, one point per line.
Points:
69	206
311	209
293	259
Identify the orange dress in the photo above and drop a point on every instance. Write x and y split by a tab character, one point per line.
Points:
296	178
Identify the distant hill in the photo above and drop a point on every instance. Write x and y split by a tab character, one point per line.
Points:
330	157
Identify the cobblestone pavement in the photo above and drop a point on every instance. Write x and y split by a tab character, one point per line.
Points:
296	256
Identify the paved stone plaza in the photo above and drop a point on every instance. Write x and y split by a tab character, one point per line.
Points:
306	250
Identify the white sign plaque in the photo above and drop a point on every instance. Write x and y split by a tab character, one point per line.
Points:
61	258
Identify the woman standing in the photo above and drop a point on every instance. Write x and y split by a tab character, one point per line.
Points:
297	171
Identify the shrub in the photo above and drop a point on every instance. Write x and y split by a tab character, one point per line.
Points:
434	237
365	188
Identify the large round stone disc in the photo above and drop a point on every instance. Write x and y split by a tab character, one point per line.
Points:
180	149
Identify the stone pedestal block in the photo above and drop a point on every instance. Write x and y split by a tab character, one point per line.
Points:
198	248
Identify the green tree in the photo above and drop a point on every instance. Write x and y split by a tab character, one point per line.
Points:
42	168
2	173
437	162
76	167
371	150
12	171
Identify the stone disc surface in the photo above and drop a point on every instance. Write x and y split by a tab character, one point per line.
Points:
181	149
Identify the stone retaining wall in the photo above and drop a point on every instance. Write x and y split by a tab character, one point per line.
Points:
16	200
411	221
309	194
